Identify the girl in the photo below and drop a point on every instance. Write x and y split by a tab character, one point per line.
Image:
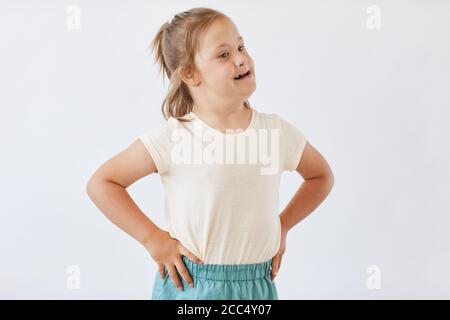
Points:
225	239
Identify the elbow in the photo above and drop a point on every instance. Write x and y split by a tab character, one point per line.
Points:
327	180
330	181
331	178
92	186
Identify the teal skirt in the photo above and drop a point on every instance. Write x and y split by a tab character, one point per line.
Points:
219	282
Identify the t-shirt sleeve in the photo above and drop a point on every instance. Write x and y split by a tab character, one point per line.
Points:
292	144
158	144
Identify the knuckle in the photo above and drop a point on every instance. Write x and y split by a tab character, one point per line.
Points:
187	277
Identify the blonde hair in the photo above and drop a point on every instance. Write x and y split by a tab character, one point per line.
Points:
174	46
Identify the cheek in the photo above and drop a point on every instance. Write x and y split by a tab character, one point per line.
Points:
223	73
250	60
219	75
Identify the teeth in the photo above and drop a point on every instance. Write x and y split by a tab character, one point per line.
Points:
242	75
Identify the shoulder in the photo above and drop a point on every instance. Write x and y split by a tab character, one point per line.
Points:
267	119
166	128
271	120
288	128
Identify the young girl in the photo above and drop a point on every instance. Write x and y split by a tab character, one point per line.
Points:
220	161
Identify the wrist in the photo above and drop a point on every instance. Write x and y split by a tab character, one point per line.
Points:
284	227
150	238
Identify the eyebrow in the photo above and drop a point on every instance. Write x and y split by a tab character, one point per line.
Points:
225	44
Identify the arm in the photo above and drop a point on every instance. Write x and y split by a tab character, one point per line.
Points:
107	189
317	185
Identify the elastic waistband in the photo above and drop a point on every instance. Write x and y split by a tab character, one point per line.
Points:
228	271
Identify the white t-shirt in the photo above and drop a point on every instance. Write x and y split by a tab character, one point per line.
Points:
221	189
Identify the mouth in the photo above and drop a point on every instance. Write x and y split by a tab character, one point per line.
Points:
244	76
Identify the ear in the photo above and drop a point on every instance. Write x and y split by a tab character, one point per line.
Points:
189	76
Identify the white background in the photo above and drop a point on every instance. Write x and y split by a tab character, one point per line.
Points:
374	102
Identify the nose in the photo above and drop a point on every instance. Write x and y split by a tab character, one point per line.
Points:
241	59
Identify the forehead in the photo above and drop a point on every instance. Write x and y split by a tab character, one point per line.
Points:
221	31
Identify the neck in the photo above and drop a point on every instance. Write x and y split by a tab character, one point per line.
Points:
220	111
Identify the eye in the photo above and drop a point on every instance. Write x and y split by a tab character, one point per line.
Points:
222	55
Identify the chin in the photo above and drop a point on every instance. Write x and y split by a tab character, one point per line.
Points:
251	90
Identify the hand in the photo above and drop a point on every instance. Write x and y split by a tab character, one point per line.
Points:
167	251
276	260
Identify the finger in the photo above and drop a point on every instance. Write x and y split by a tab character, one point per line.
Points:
161	270
279	262
273	261
275	264
174	276
189	254
184	272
